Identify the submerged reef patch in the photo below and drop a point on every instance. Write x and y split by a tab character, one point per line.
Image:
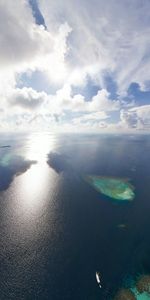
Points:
125	294
122	226
116	188
138	290
143	284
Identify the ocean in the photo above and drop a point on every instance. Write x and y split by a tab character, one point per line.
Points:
56	230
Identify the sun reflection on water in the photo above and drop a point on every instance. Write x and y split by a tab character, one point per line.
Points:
33	195
34	183
39	145
38	183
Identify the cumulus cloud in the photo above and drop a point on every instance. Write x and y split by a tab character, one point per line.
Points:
102	101
23	43
27	98
137	117
25	47
65	100
80	41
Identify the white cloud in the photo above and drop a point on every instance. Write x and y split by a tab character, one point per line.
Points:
90	121
27	98
22	41
102	101
65	100
83	40
106	37
137	117
29	106
26	46
92	117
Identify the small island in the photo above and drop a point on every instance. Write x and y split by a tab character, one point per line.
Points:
116	188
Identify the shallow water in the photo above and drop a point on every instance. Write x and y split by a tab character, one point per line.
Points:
56	231
115	188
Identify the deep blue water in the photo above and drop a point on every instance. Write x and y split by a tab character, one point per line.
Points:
56	231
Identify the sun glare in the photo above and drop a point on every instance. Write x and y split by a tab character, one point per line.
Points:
39	145
35	181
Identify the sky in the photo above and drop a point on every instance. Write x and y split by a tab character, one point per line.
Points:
75	65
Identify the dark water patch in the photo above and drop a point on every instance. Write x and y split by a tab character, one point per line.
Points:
54	239
58	162
15	166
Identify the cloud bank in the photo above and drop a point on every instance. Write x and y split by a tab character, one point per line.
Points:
49	55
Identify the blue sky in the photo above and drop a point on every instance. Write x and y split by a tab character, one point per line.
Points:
75	66
37	13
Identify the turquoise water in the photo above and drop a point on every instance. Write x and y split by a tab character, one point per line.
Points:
115	188
142	296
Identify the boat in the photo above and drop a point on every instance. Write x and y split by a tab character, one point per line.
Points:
98	279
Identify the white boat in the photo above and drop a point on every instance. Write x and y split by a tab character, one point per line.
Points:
98	279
